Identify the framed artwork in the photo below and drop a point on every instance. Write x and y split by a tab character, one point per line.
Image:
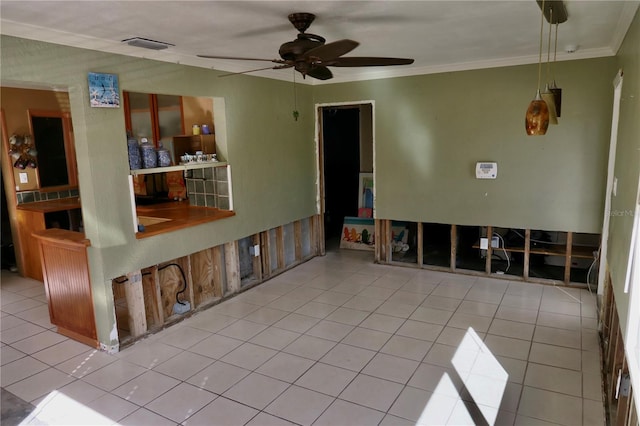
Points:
104	91
365	191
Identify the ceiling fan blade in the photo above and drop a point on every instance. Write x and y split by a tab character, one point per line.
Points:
320	72
236	58
367	62
331	50
277	67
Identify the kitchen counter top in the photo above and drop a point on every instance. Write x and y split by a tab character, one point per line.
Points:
51	205
180	215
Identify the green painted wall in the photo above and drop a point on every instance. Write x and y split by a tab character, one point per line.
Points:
627	168
272	156
429	133
431	130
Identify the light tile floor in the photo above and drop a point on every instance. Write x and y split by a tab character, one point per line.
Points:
335	341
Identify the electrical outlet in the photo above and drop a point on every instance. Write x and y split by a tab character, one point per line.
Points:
484	243
24	178
495	242
255	250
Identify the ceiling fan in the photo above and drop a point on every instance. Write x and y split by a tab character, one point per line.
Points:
310	56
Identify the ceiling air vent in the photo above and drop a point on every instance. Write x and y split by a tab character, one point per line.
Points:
146	43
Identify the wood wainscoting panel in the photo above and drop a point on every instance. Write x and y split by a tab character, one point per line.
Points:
67	282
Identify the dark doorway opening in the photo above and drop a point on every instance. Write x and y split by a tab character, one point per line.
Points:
341	154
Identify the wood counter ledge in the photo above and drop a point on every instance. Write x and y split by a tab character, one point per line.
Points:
180	215
51	205
63	236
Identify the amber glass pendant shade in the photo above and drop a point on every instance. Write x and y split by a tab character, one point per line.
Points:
537	117
557	97
549	99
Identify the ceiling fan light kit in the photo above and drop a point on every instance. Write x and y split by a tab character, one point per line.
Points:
310	56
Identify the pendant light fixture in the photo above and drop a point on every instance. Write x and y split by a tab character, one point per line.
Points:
547	95
537	116
557	92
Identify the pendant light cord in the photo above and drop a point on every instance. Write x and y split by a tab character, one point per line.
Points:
549	45
555	52
540	50
555	49
295	98
295	93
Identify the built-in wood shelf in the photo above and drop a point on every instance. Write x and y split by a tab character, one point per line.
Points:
179	167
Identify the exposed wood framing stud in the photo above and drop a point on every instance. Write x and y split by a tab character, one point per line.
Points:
527	252
152	298
489	254
297	236
257	265
218	268
454	240
232	266
379	241
320	235
567	258
265	254
135	303
387	238
202	276
420	245
280	247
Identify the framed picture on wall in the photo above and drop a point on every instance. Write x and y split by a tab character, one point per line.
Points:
104	91
365	197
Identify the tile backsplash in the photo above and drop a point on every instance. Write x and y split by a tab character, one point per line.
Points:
208	187
33	196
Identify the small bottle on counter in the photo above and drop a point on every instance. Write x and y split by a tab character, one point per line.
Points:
196	129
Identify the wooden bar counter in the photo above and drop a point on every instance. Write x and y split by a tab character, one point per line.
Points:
31	218
176	215
65	268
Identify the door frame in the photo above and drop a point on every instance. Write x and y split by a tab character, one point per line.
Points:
604	245
319	140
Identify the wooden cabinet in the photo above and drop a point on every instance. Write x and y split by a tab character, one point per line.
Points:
34	217
189	144
67	283
156	117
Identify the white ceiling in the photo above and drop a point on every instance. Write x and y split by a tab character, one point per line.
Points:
440	35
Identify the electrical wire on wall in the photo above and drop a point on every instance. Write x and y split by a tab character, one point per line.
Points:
495	234
184	280
595	261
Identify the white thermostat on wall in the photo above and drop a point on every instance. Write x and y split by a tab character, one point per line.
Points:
486	170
